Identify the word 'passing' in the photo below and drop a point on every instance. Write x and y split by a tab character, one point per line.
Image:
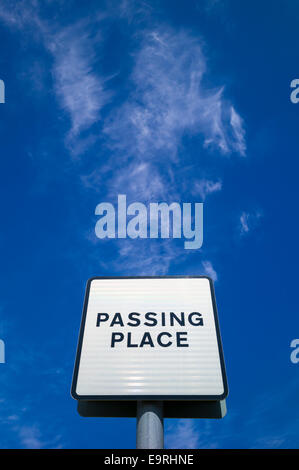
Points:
142	338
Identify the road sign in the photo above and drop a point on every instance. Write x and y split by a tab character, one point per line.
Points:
149	338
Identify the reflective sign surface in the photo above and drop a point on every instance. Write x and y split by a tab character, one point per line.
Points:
149	337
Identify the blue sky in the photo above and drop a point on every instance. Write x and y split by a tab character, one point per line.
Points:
161	101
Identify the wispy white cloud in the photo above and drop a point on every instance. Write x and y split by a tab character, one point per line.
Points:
136	10
80	90
270	442
17	14
17	420
209	270
30	437
145	258
170	101
248	221
182	435
237	125
140	181
244	222
204	187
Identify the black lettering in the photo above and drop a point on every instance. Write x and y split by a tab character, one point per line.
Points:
179	339
198	319
131	317
117	320
129	344
102	317
147	340
148	316
116	338
180	321
164	345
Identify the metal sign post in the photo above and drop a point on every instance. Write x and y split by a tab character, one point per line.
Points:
150	425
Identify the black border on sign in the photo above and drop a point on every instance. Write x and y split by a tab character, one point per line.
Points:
148	397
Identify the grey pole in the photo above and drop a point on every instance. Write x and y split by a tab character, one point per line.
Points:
150	426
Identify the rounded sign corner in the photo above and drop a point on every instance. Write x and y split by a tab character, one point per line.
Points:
74	396
90	280
211	282
225	393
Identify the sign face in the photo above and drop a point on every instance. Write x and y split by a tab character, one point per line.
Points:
149	338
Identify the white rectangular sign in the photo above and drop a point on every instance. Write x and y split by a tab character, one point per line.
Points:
149	338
